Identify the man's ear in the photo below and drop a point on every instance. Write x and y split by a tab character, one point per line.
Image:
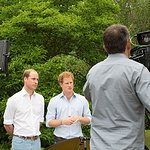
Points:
129	45
128	48
104	50
25	78
60	84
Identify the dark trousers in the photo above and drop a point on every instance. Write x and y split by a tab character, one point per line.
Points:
58	139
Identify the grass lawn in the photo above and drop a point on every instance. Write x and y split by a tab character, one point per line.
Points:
147	138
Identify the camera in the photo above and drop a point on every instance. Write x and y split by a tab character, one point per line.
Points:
141	53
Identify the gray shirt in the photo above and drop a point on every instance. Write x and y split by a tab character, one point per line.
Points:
119	89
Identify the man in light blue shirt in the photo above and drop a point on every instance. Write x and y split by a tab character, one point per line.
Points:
68	110
119	89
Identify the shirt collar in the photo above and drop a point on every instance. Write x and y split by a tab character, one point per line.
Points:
117	55
24	92
62	95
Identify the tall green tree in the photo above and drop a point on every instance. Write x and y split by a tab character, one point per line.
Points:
135	14
44	25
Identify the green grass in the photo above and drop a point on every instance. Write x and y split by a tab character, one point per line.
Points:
147	138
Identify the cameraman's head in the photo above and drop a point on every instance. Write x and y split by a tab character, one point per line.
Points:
117	39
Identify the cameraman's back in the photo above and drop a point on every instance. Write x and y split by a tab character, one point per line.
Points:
119	89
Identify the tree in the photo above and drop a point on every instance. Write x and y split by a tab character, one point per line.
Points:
135	15
43	25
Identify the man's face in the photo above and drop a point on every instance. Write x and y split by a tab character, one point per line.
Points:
67	85
31	82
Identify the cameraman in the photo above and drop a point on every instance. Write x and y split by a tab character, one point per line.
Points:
119	89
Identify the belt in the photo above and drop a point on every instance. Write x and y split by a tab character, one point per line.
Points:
32	138
58	139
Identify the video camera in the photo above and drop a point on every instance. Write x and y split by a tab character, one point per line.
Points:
141	53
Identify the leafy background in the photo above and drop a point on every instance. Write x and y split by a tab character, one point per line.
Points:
52	36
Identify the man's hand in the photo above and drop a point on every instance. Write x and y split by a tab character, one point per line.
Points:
70	120
9	129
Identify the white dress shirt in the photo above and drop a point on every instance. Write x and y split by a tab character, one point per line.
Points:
25	112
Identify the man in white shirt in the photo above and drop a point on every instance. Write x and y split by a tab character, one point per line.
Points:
24	113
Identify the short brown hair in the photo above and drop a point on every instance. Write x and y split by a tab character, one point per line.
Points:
27	72
115	38
65	74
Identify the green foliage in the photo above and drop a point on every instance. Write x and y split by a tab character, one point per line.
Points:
47	136
4	146
58	27
95	16
49	72
86	130
3	136
134	14
147	120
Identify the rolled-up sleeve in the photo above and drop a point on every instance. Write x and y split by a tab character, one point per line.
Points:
51	111
87	112
9	112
